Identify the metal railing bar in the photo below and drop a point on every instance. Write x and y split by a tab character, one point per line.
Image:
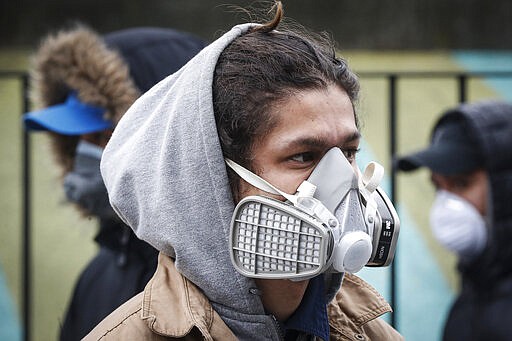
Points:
392	150
26	210
462	86
435	74
12	74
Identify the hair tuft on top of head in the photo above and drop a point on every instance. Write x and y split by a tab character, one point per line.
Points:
272	24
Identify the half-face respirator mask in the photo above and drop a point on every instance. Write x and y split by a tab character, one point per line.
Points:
337	221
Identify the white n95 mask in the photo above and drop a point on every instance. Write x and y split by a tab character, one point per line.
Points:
336	222
457	225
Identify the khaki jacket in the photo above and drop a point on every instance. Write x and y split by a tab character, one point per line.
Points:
172	307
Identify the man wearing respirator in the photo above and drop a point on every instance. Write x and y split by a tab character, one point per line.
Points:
262	119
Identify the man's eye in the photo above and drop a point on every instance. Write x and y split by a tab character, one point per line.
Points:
350	154
303	157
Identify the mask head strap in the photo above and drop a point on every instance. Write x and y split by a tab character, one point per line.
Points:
261	183
368	183
303	200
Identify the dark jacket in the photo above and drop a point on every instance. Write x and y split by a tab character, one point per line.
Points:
482	311
122	266
110	72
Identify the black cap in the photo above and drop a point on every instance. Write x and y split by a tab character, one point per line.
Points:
451	151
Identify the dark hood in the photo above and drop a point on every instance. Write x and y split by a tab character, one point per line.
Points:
490	124
153	53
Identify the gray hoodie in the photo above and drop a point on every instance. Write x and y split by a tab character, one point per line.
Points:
166	178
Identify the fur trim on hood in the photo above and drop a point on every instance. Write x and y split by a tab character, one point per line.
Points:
78	60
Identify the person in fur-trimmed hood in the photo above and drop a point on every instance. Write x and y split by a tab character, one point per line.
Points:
82	84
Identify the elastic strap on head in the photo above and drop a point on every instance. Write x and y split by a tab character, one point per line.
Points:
372	176
258	182
368	182
303	199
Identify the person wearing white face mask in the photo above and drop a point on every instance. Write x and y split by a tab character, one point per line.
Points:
470	159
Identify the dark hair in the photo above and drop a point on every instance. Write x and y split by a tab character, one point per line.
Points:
262	68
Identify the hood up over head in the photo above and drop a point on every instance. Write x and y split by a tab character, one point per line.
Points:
165	173
489	123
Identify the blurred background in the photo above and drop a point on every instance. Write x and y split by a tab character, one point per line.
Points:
415	59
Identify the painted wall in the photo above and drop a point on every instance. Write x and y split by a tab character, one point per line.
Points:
383	24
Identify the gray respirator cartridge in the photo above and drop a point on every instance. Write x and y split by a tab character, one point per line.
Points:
270	239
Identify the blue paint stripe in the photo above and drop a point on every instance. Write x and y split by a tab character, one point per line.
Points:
423	294
9	323
489	61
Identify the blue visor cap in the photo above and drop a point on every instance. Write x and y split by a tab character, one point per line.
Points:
69	118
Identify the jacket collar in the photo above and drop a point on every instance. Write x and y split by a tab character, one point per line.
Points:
358	301
172	305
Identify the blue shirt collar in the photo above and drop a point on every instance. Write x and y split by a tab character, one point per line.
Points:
311	315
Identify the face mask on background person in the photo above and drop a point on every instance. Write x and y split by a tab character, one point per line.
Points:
457	225
84	184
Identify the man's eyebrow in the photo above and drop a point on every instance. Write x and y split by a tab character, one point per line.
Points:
320	143
356	135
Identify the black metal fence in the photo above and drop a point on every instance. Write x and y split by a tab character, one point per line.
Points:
26	255
392	80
